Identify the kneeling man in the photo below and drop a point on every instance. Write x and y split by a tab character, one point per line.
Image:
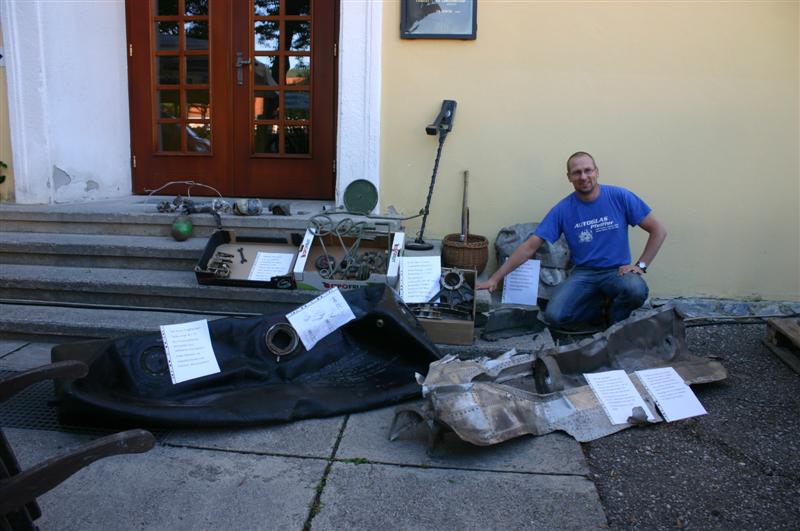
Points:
594	220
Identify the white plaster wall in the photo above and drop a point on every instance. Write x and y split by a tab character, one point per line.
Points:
87	97
68	96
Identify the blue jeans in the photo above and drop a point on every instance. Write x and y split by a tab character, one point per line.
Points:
579	299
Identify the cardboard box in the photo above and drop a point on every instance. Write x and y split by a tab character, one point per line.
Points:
226	241
453	331
308	277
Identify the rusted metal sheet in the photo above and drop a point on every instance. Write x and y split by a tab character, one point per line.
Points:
488	401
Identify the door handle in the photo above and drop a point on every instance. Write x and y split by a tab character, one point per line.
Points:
239	64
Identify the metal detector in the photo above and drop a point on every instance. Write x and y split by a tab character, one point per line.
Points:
443	125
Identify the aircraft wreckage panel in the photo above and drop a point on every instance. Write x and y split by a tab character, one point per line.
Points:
488	401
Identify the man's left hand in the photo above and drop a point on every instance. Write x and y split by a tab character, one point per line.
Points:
629	268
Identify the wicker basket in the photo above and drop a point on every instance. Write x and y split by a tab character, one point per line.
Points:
470	254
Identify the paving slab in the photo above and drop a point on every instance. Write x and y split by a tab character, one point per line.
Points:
306	438
171	488
366	437
367	496
8	346
30	356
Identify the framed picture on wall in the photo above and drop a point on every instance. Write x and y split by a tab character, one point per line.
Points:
431	19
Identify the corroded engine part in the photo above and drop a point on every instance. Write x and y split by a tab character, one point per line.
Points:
488	401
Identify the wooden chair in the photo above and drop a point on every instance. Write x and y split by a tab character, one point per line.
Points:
20	488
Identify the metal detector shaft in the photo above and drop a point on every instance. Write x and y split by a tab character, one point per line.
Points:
420	244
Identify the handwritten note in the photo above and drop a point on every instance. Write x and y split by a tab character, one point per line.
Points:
189	351
521	286
617	395
268	265
321	316
419	278
673	397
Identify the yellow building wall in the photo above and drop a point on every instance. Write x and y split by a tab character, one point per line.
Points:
692	105
6	187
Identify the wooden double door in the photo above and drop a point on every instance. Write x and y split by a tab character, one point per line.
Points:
235	94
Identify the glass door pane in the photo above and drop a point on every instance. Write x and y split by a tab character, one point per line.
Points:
182	96
281	78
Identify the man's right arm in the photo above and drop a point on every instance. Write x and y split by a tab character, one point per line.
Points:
524	252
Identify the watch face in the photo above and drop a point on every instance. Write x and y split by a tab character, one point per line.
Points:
641	265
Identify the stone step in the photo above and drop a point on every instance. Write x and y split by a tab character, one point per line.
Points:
54	324
138	216
139	289
60	324
144	224
96	250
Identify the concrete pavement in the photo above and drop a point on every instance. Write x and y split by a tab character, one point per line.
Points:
337	473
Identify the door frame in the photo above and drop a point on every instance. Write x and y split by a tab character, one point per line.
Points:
37	148
358	138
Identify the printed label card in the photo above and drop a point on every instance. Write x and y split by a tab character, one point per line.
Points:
321	316
521	286
189	351
617	395
674	398
268	265
419	278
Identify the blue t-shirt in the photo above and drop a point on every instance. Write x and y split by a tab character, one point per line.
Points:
596	231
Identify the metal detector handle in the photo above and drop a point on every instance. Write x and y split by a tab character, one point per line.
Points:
444	120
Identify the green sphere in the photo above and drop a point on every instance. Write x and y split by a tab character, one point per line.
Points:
182	228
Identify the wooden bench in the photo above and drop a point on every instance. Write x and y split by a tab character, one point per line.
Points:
783	338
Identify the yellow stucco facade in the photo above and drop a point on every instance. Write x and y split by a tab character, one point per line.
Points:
6	187
694	106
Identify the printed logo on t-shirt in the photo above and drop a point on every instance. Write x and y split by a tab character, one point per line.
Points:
598	224
585	236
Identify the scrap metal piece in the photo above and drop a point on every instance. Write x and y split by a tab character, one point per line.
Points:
454	300
410	417
511	322
487	401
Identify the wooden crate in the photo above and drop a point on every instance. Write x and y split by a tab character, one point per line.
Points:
454	331
783	338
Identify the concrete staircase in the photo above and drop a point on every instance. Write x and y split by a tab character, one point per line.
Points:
111	268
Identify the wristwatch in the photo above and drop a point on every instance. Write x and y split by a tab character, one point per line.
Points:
642	266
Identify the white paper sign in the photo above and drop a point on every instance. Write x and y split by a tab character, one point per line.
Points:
419	278
617	395
318	318
673	397
268	265
189	351
521	286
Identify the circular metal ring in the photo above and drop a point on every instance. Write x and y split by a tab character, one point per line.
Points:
282	339
320	225
452	280
154	361
324	261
